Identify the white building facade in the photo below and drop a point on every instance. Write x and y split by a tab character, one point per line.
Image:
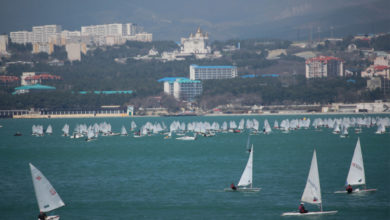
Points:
3	44
21	37
196	44
324	66
212	72
41	34
73	51
183	89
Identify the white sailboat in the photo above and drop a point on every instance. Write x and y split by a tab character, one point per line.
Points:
169	135
123	131
65	129
312	192
187	138
344	134
246	181
47	197
49	130
356	175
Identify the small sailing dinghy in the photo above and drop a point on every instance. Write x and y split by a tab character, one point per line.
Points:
187	138
47	197
246	181
356	175
312	192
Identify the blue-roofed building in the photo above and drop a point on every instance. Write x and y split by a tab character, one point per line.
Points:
248	76
183	89
31	88
270	75
170	79
212	72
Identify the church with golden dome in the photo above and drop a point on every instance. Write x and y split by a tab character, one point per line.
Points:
197	44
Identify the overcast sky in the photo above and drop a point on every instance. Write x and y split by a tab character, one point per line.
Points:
223	19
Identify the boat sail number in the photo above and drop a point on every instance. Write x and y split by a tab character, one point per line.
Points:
357	166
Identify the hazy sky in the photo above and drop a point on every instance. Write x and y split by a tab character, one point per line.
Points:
223	19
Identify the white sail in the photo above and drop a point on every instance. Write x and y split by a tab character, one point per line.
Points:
312	192
356	174
49	130
123	131
48	199
247	175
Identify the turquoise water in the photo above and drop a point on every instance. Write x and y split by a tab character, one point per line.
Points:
152	178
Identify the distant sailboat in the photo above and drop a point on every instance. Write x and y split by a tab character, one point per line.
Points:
169	135
344	134
267	127
356	175
312	192
65	129
47	197
49	130
123	131
246	181
187	138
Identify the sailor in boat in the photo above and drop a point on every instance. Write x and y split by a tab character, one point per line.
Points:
42	216
302	209
349	188
233	187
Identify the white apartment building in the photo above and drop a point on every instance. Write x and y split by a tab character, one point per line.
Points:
21	37
212	72
3	44
143	37
324	66
73	51
104	30
41	34
183	89
43	47
130	29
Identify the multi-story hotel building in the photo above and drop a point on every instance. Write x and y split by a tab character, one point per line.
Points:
212	72
39	34
183	89
21	37
324	66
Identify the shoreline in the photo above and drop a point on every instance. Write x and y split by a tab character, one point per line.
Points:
36	116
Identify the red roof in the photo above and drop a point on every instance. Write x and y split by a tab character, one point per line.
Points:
42	76
381	67
9	78
322	59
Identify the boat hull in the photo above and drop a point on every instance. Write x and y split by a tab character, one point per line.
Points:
185	138
53	217
242	190
309	213
357	191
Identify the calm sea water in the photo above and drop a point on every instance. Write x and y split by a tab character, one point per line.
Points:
152	178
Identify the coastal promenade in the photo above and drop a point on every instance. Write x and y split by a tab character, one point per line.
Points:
112	115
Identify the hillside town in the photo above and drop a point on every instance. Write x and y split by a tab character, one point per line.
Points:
349	59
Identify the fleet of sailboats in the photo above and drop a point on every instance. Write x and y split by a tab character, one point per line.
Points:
339	126
49	200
